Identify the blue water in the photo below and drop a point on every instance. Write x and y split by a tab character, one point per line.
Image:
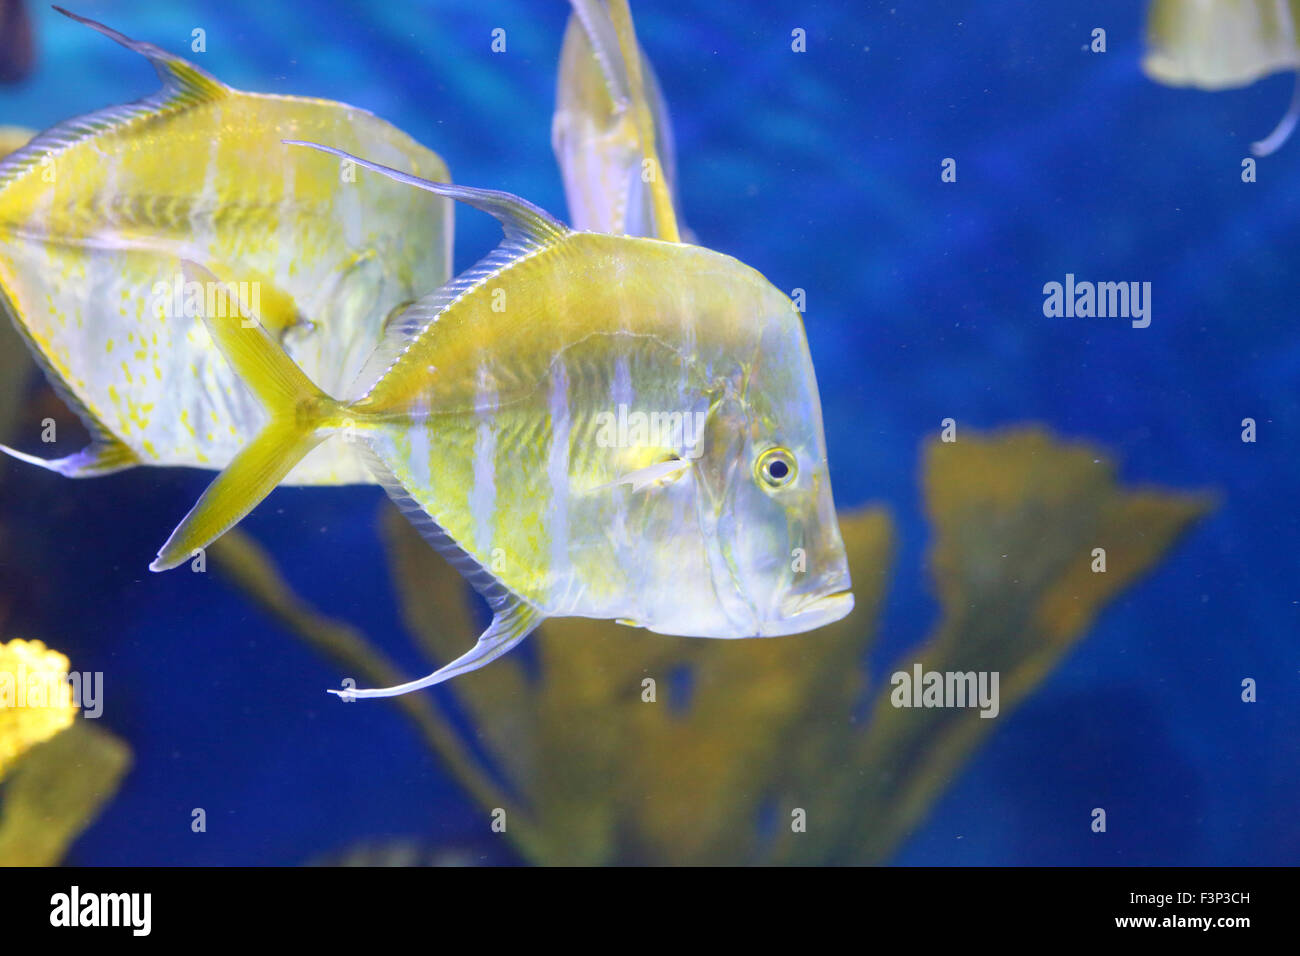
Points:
924	302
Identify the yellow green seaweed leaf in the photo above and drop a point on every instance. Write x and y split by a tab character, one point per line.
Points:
57	771
56	791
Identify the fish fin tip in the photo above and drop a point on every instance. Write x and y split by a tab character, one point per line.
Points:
510	625
98	458
180	77
1275	140
521	219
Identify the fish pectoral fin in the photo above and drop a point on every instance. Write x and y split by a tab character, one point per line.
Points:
248	345
510	625
100	457
669	470
275	308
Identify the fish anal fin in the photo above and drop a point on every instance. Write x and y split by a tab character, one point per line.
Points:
510	625
483	581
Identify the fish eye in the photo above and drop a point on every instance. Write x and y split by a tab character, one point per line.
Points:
775	468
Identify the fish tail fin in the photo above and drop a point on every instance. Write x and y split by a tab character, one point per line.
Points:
301	417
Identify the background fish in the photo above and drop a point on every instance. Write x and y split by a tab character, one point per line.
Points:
484	423
98	213
1223	44
611	131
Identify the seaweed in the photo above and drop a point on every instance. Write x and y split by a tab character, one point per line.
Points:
57	771
620	746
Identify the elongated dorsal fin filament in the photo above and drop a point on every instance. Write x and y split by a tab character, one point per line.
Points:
182	80
521	220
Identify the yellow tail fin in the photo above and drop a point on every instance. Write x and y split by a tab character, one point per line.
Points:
302	416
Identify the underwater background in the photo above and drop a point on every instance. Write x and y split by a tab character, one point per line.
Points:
924	302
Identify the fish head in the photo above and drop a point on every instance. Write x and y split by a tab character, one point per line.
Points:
775	555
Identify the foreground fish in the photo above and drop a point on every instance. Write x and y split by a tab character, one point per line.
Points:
586	425
98	214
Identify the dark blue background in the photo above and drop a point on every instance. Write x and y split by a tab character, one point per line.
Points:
924	302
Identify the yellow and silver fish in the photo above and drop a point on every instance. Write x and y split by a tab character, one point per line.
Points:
586	425
98	214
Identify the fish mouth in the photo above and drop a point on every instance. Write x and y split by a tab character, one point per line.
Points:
809	614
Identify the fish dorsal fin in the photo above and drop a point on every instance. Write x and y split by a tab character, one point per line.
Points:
183	82
184	85
527	228
523	222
